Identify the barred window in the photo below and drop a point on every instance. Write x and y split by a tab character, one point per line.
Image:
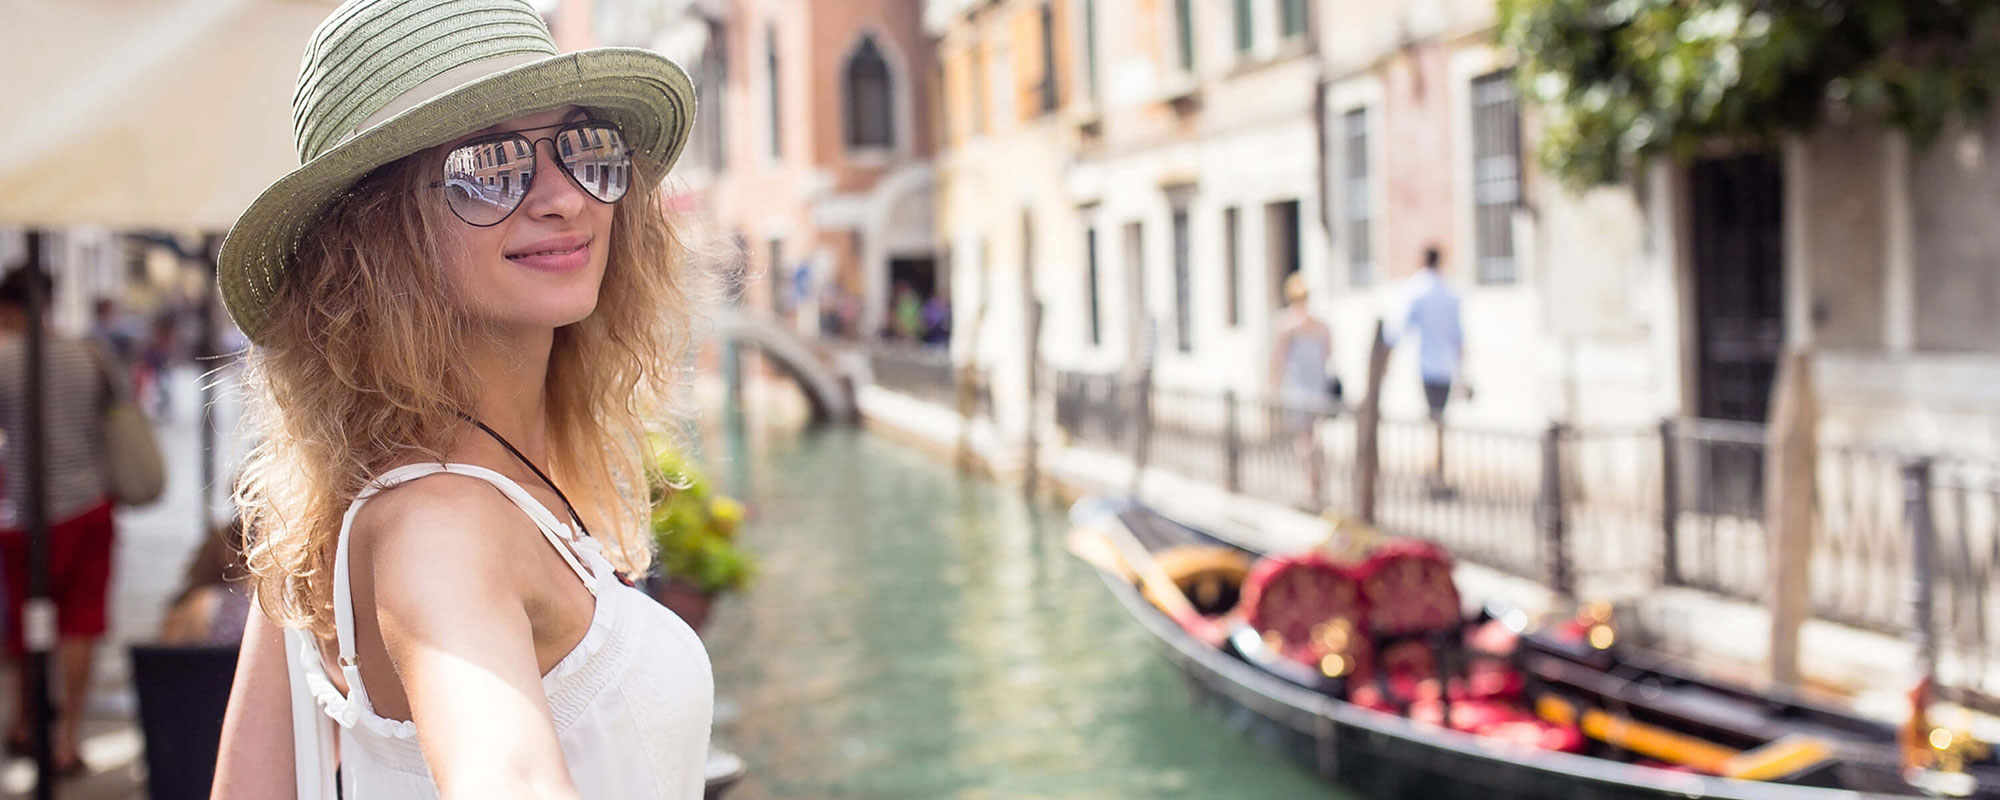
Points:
1245	36
1232	266
1496	174
1183	301
1292	17
1095	304
771	89
1359	214
1184	33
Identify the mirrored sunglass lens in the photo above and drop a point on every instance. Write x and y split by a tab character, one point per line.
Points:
484	182
597	157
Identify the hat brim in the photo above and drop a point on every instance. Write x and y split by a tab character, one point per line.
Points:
648	96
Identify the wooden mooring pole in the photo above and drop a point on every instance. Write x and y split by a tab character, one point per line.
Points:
1367	434
1790	477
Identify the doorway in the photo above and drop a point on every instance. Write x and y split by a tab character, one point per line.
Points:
916	309
1737	215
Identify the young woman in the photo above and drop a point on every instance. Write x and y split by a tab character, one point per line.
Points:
463	308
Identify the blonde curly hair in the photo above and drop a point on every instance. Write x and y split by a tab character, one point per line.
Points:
361	373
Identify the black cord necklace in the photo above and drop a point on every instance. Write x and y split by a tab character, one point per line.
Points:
532	468
574	517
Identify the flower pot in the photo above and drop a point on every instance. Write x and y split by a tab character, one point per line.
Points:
685	599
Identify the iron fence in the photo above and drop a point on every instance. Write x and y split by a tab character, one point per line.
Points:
1598	510
928	374
1715	539
1953	510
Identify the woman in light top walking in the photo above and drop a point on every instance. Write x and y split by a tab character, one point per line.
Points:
463	309
1305	388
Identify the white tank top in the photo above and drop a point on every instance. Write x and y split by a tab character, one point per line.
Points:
632	702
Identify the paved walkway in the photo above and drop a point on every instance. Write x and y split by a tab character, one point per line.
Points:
154	545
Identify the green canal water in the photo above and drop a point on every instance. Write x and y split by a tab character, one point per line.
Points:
915	633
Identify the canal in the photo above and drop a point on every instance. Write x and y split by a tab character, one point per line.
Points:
915	633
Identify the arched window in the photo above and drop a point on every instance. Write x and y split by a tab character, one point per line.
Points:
870	112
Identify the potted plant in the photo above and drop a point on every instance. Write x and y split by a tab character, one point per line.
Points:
695	529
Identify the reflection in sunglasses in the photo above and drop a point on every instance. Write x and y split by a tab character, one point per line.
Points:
489	178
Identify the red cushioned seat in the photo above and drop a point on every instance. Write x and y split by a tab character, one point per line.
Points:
1309	608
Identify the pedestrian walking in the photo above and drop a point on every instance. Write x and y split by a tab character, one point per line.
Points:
464	309
1306	389
156	360
1433	317
112	332
78	385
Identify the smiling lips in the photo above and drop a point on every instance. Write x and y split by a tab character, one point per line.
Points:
559	254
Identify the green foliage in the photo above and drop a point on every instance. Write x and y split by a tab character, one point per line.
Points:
1621	80
696	528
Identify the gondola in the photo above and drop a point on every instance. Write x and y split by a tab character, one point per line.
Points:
1334	720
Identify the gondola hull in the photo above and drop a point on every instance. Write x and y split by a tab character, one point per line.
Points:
1384	757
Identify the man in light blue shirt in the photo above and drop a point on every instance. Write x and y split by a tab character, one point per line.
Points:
1433	316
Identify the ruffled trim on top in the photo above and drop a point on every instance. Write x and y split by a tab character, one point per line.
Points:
348	711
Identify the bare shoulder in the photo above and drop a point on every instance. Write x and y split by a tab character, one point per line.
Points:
440	531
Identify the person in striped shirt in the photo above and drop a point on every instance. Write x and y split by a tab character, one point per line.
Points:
77	505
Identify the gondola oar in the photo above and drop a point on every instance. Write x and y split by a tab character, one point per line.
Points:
1116	551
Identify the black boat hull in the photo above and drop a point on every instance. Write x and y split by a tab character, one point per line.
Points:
1390	758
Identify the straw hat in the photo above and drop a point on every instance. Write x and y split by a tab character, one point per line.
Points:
386	78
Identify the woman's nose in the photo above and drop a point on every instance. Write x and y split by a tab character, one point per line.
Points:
553	193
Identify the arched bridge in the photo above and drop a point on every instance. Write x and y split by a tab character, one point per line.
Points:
821	376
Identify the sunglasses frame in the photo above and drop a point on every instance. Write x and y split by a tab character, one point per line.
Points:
535	159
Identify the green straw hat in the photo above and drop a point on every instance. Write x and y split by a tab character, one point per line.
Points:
386	78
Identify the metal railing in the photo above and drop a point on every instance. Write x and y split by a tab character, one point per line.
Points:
928	374
1714	537
1680	503
1952	508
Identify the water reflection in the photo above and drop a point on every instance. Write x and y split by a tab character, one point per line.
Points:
917	634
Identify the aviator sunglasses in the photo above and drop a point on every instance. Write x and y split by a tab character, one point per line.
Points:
486	178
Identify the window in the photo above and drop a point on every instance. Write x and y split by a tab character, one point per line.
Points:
1139	322
1496	174
1232	266
1183	324
1245	35
1184	33
870	116
775	274
1047	89
978	70
1090	46
1095	303
1292	18
709	98
1002	83
1281	243
771	87
1360	247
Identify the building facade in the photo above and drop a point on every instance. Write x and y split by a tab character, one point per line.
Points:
810	164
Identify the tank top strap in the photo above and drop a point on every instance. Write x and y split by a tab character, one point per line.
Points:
559	535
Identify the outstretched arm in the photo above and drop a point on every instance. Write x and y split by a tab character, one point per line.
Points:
451	588
255	758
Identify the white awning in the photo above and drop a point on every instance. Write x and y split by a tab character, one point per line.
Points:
146	113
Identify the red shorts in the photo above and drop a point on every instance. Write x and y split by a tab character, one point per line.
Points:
79	574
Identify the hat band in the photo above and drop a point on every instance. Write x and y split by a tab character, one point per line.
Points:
439	84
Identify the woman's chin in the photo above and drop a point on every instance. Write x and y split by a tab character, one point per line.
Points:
539	319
